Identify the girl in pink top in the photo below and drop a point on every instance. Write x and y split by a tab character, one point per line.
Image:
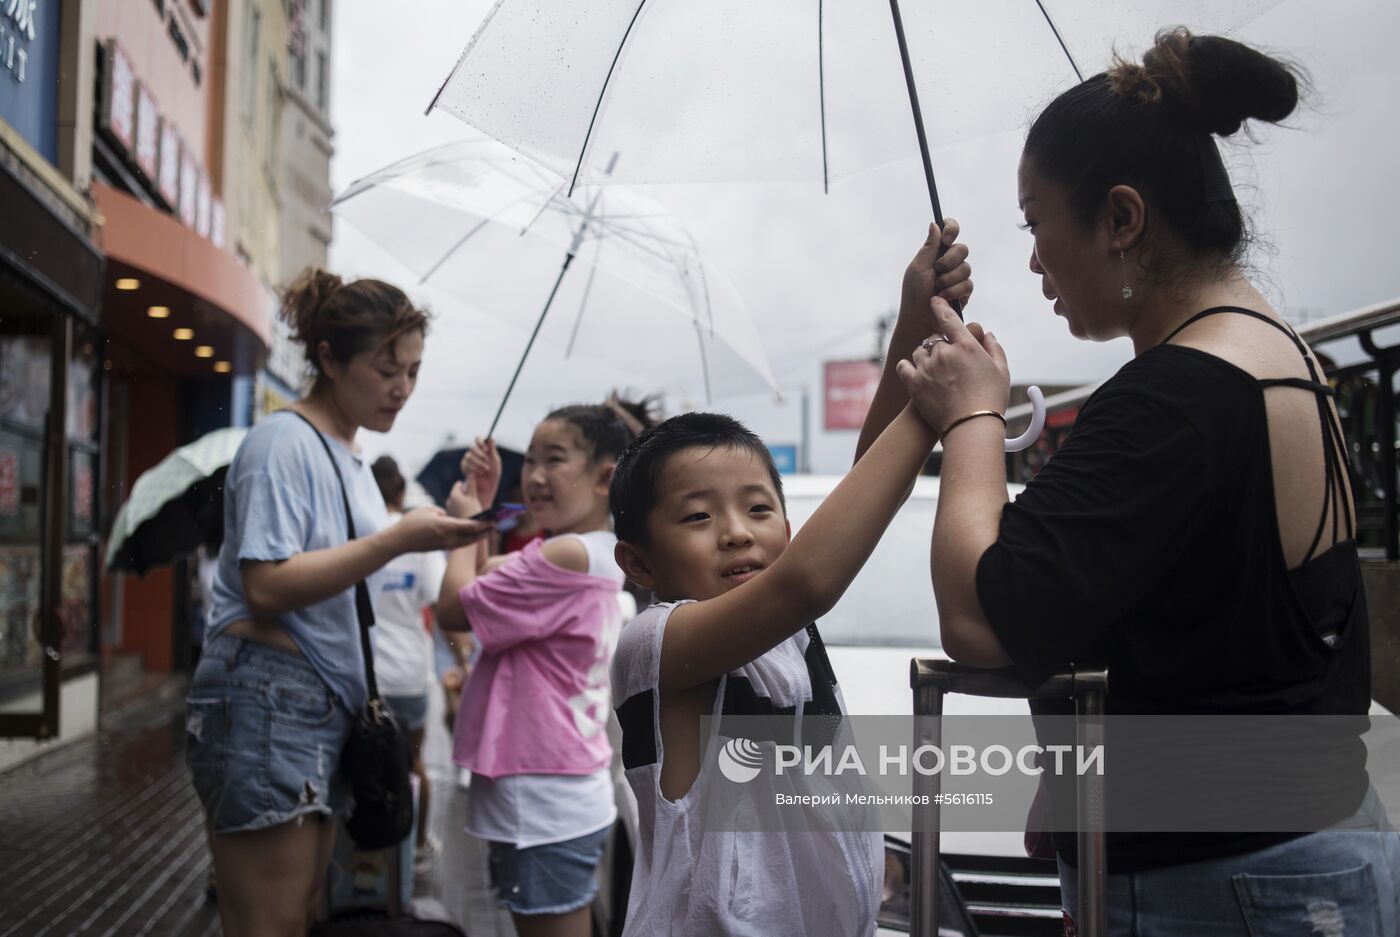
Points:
532	727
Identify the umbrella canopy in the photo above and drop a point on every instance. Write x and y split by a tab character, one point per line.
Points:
175	506
444	470
784	89
647	300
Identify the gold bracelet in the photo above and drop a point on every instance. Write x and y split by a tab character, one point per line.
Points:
971	416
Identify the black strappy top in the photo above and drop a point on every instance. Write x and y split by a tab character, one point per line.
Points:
1150	541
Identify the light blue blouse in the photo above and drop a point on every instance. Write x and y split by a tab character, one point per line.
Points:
281	498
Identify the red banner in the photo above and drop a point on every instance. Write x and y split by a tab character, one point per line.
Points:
848	389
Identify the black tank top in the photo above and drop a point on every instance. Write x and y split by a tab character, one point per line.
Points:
1150	542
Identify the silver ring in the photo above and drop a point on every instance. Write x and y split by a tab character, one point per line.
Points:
932	340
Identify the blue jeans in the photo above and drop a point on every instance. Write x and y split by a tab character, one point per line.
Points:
263	737
553	878
410	712
1343	881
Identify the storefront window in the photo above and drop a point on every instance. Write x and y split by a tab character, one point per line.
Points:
24	375
21	654
25	389
80	552
75	610
83	373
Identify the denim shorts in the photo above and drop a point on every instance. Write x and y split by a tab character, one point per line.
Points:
410	712
553	878
1343	880
263	737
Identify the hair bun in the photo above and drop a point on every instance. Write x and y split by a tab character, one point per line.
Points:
637	415
303	301
1210	82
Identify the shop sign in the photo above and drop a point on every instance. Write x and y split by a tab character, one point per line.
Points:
168	182
19	20
131	119
147	133
848	389
286	359
29	32
784	458
119	96
268	399
189	188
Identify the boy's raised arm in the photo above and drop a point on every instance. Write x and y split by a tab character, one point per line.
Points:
704	640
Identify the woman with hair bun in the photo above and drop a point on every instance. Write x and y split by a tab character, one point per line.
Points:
1196	531
282	674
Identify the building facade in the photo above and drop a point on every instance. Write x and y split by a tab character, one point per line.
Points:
187	315
51	283
163	165
306	147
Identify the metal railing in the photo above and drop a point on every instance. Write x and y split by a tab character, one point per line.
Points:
1366	403
1088	687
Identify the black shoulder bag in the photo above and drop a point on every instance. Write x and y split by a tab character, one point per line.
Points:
377	757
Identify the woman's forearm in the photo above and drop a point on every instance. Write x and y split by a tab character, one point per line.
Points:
971	497
274	588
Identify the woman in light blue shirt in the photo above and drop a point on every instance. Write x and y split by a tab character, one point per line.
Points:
282	674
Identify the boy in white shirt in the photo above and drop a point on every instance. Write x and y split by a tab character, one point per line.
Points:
698	510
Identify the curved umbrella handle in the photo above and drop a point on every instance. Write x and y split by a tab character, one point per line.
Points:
1032	433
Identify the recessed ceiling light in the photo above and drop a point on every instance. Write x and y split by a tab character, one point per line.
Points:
204	351
158	312
127	284
183	335
223	367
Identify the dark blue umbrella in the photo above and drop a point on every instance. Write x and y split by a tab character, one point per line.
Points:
444	470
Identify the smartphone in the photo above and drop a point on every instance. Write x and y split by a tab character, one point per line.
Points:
500	513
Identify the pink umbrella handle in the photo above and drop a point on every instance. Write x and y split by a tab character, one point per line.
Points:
1032	433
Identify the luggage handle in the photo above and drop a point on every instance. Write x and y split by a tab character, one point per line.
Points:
1087	686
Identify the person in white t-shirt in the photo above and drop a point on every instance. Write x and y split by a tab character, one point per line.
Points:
403	645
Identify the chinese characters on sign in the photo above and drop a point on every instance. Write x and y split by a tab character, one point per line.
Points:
16	26
152	143
147	132
168	183
119	103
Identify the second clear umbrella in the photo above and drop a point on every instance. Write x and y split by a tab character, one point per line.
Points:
499	232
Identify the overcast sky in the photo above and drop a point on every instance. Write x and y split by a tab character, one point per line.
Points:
817	271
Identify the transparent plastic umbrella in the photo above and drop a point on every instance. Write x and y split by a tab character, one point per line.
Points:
477	222
781	89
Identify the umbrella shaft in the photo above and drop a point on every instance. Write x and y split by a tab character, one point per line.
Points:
919	126
568	259
918	113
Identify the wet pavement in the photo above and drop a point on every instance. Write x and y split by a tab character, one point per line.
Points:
105	837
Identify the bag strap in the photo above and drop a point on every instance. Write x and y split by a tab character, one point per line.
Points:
364	608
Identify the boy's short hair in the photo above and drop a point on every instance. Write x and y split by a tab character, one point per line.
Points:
632	493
